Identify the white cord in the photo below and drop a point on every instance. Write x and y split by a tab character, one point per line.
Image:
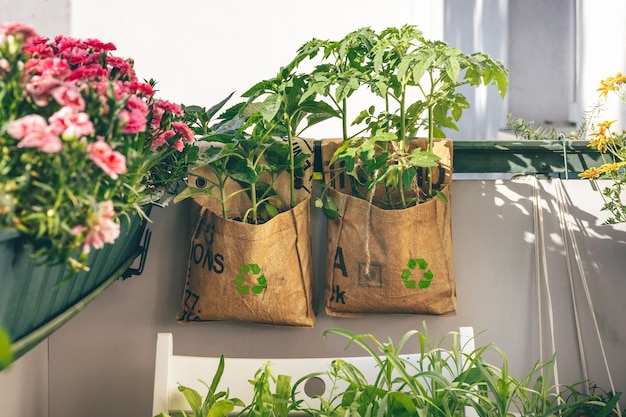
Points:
583	278
540	251
538	237
564	224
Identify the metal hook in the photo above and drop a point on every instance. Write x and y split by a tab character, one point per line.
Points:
130	272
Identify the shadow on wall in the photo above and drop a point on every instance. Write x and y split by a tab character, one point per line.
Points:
576	267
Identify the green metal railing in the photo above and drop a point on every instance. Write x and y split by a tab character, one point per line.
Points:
524	157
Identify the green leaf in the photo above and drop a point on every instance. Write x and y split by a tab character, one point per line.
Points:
189	192
330	213
407	177
453	69
424	159
272	210
240	171
193	398
270	107
441	196
221	408
384	137
502	82
6	356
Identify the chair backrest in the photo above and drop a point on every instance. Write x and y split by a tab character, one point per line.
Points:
172	370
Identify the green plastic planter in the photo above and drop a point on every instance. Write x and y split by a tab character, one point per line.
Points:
37	300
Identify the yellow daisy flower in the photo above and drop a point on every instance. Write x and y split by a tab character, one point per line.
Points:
600	142
591	173
611	167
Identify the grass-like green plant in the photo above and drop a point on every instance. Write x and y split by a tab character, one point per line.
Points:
268	401
446	382
215	403
417	376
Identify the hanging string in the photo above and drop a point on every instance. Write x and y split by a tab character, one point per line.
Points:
585	284
540	254
536	229
563	223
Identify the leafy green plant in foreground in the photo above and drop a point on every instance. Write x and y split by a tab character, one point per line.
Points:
444	382
439	378
266	403
215	404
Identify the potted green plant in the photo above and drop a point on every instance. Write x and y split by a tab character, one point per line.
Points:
85	149
249	189
381	171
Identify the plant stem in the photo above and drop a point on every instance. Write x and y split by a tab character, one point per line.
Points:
429	177
403	138
254	203
223	196
344	119
292	167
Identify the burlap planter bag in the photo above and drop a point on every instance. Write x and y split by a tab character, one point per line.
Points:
244	272
378	261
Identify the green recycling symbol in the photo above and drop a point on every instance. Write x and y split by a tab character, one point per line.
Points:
421	264
240	280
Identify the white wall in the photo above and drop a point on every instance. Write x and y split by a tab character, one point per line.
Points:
480	26
602	55
200	51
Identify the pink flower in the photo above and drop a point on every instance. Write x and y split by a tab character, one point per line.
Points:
87	73
162	139
179	145
69	96
136	103
40	88
136	121
110	161
49	67
16	29
71	124
184	130
33	132
100	228
98	45
168	107
5	65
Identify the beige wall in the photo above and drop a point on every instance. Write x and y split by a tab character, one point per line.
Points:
103	360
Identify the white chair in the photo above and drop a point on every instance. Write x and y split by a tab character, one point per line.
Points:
172	370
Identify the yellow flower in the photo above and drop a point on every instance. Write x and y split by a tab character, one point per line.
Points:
600	142
611	84
603	126
591	173
611	167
